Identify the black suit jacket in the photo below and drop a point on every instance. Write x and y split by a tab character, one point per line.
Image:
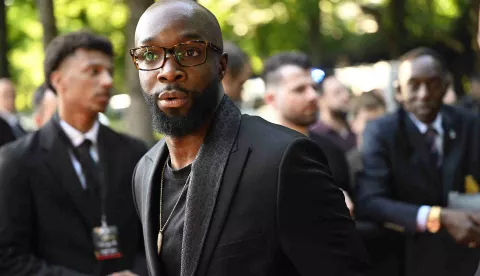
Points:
46	219
398	178
6	133
336	160
261	202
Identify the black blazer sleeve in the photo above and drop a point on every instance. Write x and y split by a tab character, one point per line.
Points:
6	134
374	184
16	222
315	228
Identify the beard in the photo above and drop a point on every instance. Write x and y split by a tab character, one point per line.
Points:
201	109
301	119
339	114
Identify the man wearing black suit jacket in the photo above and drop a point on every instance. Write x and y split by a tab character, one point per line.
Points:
63	181
291	91
412	160
226	194
10	128
6	134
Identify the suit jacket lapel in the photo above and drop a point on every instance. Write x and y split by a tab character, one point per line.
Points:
452	150
60	164
158	155
233	172
108	163
207	172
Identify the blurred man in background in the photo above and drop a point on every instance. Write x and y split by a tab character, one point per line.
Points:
383	245
44	105
334	105
472	100
238	72
291	91
366	107
412	160
65	190
10	128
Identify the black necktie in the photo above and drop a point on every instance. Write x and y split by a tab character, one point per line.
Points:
89	167
430	138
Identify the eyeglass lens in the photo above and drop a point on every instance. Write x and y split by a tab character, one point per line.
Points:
191	54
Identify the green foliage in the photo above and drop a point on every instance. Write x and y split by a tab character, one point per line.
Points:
260	27
105	17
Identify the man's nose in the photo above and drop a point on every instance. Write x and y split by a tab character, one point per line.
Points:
107	79
422	92
170	72
311	94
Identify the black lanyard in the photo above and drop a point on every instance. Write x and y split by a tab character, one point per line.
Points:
101	173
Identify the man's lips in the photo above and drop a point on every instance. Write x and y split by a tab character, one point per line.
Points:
172	99
103	96
171	95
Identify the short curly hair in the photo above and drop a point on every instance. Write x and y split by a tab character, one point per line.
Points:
63	46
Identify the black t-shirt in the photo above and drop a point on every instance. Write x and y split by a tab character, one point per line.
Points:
170	256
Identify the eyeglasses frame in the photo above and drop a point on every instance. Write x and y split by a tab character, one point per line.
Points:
167	50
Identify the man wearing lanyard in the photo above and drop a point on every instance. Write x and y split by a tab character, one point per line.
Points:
65	200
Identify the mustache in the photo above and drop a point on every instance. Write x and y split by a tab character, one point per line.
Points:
102	93
156	94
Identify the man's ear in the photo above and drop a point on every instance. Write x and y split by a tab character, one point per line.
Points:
269	97
56	80
398	91
223	65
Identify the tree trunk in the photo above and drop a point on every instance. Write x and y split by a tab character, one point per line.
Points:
3	41
47	17
137	119
314	34
463	64
311	10
398	32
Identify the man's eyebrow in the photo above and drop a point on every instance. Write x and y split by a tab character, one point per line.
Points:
191	36
147	40
184	36
95	64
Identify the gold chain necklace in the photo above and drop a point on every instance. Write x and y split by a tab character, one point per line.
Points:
160	232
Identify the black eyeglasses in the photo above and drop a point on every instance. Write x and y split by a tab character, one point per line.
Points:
187	54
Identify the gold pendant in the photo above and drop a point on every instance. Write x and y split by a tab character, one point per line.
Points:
159	241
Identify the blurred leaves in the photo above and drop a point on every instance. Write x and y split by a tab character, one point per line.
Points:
350	30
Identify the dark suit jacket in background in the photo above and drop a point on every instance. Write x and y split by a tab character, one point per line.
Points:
398	178
384	246
46	219
6	133
336	160
270	209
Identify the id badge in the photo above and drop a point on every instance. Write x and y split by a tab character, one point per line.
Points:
105	240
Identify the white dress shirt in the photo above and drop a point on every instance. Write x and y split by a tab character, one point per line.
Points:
424	210
77	138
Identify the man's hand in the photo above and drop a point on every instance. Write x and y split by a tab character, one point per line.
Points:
348	202
123	273
463	226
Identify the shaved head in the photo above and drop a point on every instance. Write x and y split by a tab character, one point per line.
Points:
197	22
195	89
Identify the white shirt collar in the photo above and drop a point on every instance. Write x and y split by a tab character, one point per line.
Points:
422	127
78	137
10	118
